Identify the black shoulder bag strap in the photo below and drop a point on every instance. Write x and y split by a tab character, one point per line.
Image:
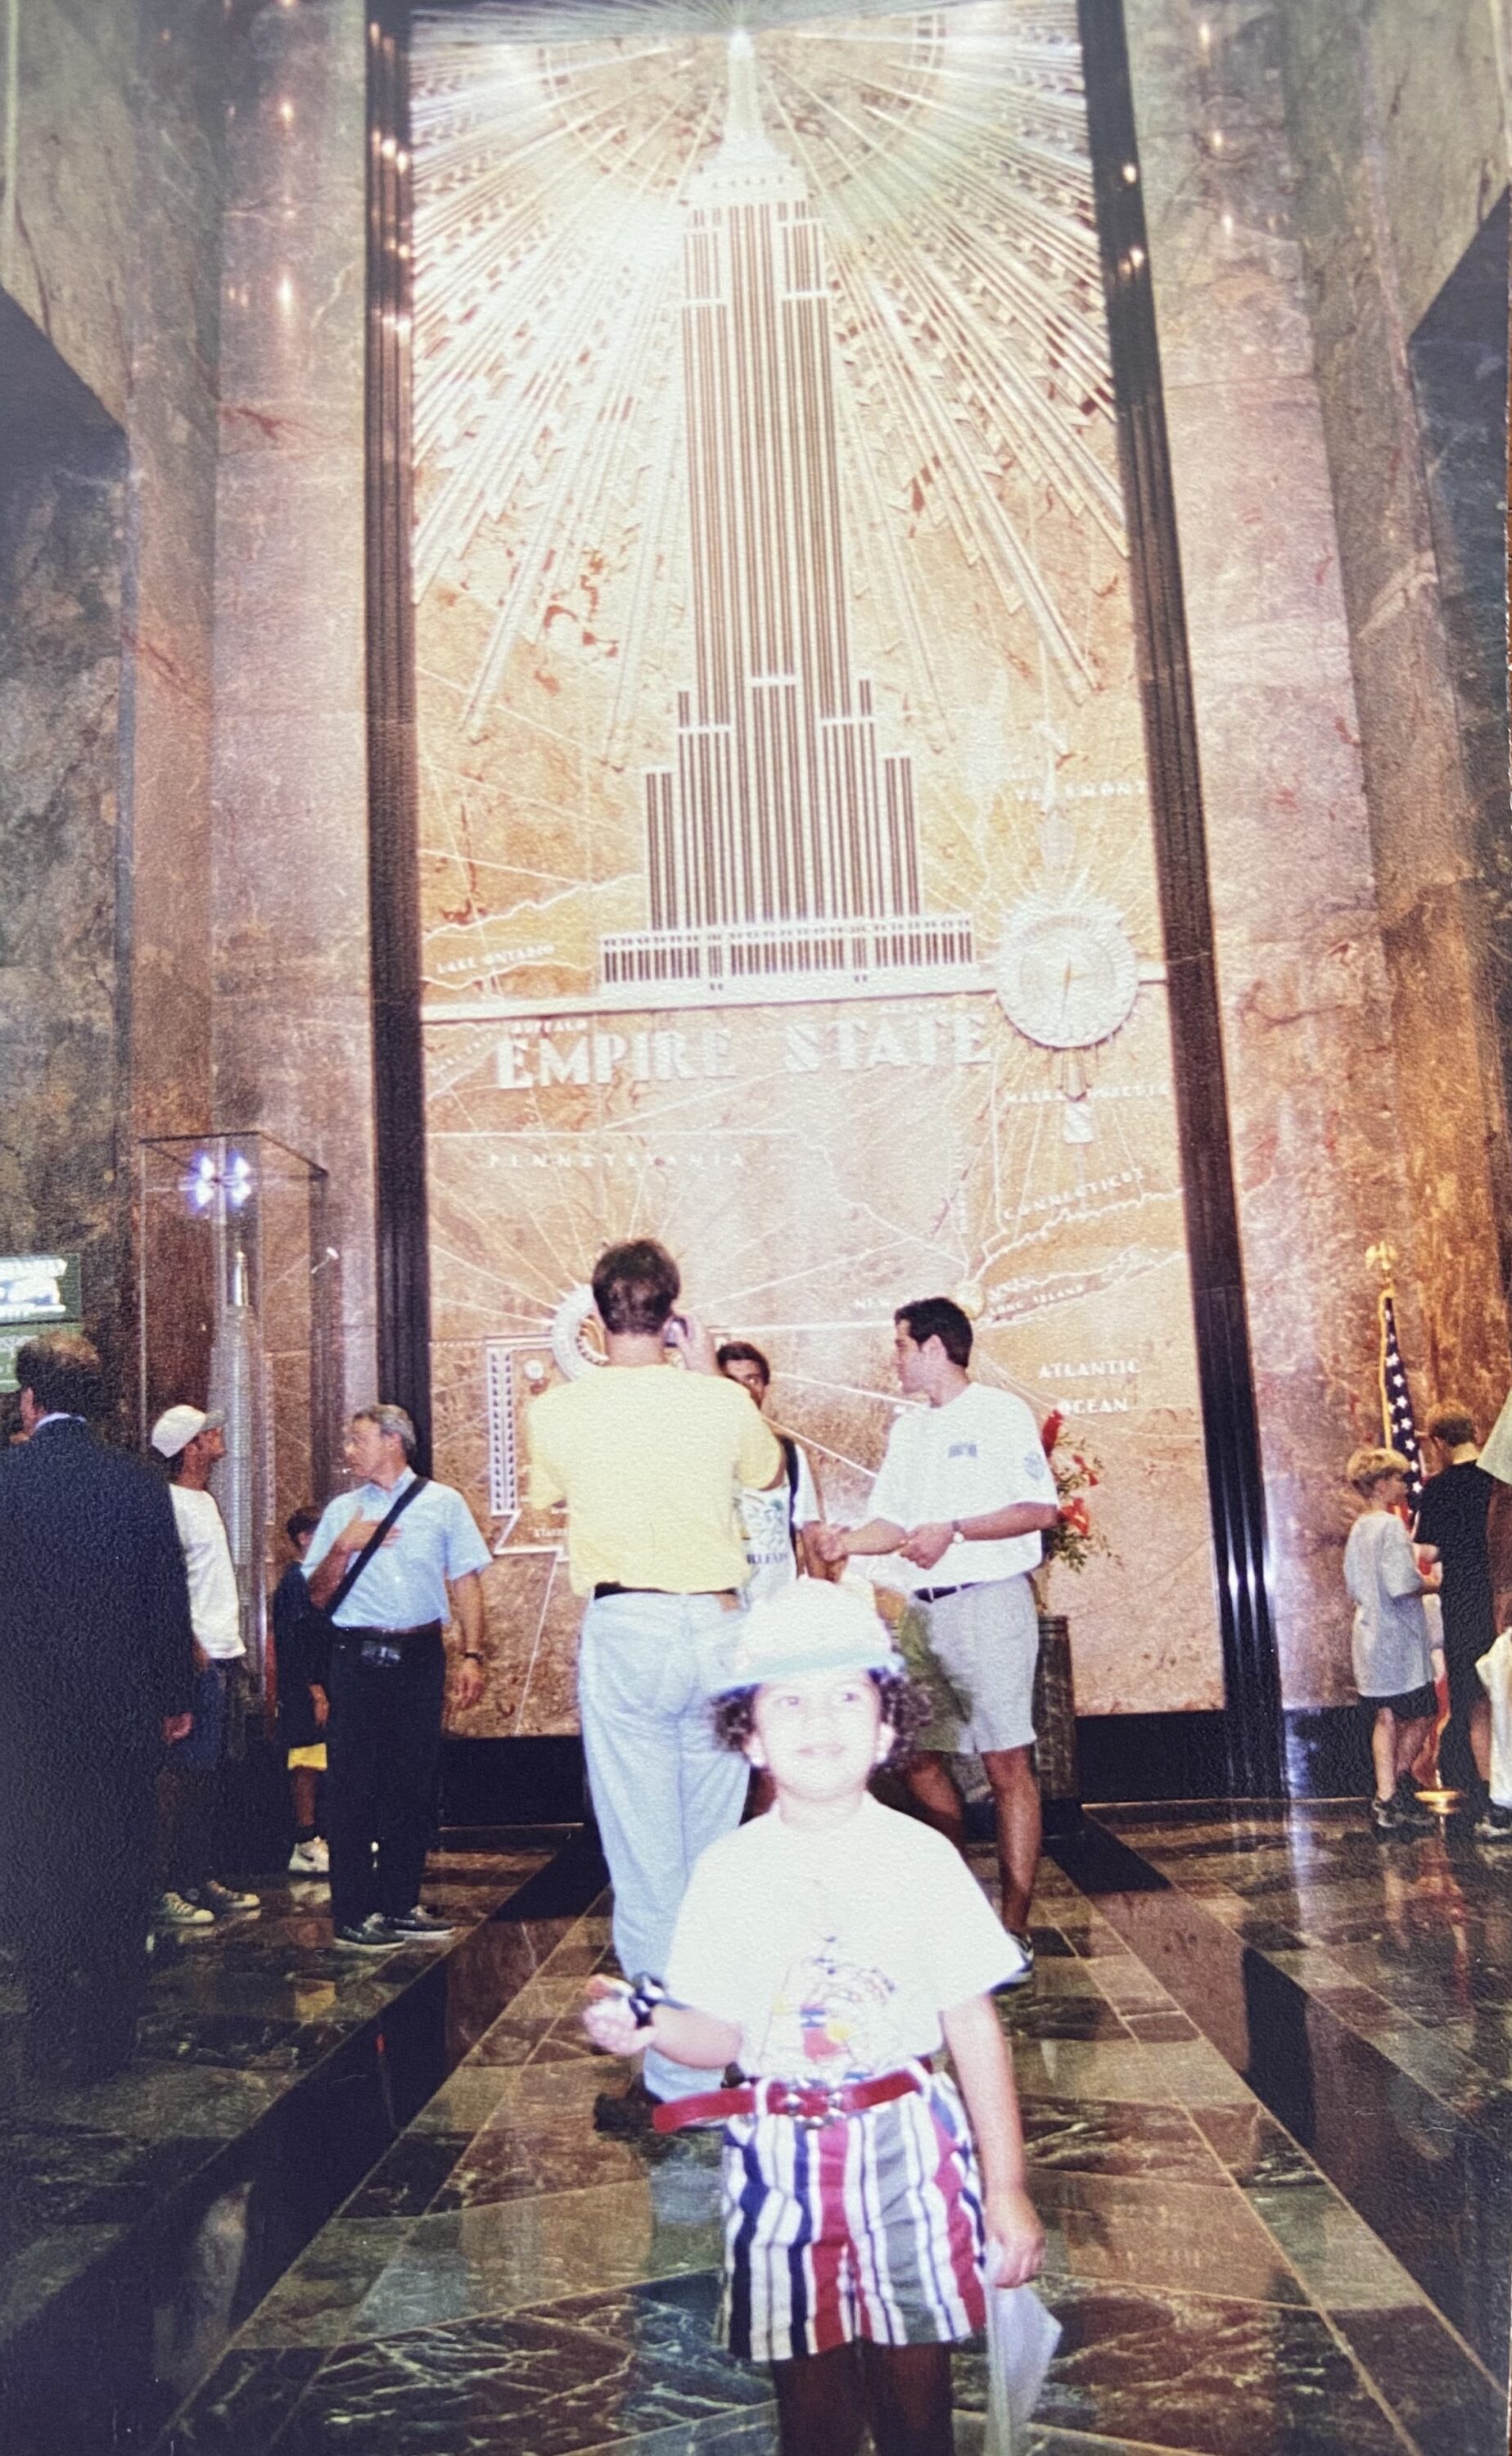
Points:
789	1449
354	1568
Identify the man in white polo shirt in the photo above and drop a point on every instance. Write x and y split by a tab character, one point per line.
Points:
964	1496
188	1786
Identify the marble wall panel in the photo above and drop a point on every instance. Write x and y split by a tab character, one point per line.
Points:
1437	72
113	253
293	1043
1200	67
1230	276
1372	233
62	519
1302	973
1459	362
66	252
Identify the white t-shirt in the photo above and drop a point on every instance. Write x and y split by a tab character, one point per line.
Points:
215	1609
767	1520
1391	1641
835	1954
980	1452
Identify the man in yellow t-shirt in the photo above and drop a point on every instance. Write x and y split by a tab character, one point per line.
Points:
648	1452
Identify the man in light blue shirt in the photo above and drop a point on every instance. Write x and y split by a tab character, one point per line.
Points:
387	1683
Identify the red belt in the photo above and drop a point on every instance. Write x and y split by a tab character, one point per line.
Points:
811	2103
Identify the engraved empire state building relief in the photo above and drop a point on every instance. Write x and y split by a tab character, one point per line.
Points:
781	846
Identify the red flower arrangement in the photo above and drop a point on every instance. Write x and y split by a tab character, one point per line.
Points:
1073	1538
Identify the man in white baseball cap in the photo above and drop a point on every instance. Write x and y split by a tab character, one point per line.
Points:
189	1789
177	1427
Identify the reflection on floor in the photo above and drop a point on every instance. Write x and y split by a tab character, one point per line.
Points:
504	2280
1365	1989
141	2219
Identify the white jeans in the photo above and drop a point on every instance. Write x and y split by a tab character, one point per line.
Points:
663	1788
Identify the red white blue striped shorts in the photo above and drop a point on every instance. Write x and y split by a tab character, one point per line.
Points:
871	2226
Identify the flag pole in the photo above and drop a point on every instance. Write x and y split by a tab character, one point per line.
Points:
1398	1428
1398	1425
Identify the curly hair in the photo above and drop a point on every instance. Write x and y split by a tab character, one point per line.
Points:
905	1705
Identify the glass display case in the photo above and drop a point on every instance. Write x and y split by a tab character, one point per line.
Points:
238	1311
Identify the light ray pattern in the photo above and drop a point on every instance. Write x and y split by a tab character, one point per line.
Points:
944	151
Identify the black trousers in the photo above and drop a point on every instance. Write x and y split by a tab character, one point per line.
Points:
1456	1762
383	1744
77	1829
186	1816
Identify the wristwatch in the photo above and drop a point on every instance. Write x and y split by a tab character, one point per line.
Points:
958	1531
645	1995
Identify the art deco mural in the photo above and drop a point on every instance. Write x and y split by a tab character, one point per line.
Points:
788	879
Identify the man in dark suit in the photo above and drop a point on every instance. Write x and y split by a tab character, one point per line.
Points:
96	1671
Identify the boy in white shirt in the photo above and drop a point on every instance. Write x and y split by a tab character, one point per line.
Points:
830	1948
1392	1656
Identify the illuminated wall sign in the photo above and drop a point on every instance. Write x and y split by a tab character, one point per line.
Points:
37	1292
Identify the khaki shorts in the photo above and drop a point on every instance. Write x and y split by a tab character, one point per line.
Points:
986	1640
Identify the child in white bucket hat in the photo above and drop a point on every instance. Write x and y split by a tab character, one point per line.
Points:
830	1949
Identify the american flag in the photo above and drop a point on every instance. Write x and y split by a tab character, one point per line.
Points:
1397	1419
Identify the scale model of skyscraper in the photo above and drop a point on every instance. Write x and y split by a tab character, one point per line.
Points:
783	852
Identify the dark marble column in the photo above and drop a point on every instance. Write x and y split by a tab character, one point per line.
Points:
292	1033
173	331
1242	1556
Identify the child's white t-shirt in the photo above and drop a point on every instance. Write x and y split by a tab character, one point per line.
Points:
834	1953
767	1520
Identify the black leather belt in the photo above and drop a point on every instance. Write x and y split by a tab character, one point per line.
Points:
675	1594
935	1594
380	1647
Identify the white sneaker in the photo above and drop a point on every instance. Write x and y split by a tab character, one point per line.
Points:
310	1859
174	1911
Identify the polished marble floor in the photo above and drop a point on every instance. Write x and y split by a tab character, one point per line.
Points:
1269	2235
142	2216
